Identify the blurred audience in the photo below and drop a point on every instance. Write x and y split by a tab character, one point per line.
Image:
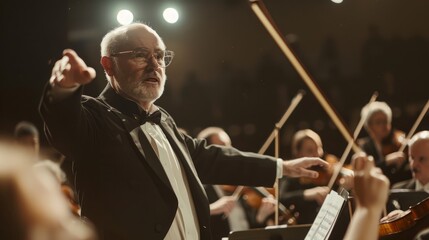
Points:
32	206
27	135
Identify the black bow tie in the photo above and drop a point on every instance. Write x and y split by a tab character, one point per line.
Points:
155	117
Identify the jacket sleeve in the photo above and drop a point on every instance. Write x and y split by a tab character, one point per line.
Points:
226	165
67	123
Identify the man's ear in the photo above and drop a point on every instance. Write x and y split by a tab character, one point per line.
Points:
107	64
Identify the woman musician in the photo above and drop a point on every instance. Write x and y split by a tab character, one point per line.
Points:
383	142
304	196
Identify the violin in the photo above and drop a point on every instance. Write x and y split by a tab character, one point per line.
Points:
408	224
253	197
393	142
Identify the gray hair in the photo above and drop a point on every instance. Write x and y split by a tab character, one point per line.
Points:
113	40
375	107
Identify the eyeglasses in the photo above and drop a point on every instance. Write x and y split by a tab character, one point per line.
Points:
143	56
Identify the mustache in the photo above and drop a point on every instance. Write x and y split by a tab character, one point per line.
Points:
415	170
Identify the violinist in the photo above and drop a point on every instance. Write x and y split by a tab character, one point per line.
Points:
419	163
383	142
226	213
418	150
303	195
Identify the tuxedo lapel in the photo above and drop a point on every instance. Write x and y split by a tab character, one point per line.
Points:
181	153
127	111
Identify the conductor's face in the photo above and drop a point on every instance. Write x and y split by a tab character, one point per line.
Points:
139	69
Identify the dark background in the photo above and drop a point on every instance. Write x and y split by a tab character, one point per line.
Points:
228	71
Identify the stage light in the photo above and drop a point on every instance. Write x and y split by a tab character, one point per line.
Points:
170	15
125	17
337	1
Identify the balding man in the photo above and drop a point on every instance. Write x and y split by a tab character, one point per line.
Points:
137	176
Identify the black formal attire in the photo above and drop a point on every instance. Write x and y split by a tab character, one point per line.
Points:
126	194
393	173
292	197
404	195
220	225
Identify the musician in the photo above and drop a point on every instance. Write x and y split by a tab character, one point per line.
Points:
419	162
137	176
418	151
304	195
383	142
240	216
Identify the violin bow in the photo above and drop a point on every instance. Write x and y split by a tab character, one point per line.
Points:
274	135
415	125
262	13
346	152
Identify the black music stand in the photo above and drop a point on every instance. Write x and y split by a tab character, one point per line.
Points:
294	232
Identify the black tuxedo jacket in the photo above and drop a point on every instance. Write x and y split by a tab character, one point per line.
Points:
126	195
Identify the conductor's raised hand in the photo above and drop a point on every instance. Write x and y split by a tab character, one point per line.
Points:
71	71
299	167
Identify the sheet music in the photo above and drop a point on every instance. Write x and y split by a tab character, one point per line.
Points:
326	218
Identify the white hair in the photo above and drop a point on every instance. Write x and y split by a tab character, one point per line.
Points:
375	107
420	136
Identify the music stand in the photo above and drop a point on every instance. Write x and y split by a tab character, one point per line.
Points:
294	232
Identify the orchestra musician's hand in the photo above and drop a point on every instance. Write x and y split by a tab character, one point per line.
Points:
317	194
71	71
299	167
223	206
371	190
395	158
267	208
395	214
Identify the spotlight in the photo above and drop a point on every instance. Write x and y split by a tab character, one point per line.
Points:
170	15
125	17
